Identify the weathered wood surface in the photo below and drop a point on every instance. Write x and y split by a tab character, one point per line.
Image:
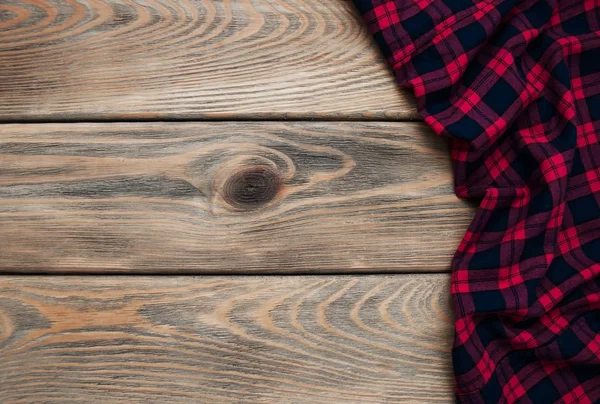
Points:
325	339
227	198
193	59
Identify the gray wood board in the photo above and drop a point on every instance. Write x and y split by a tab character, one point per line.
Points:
191	59
310	339
237	197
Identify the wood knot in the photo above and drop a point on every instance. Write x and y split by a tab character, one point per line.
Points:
251	187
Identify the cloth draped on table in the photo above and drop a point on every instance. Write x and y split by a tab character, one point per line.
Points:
515	87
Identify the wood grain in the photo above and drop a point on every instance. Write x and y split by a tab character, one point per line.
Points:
236	197
191	59
325	339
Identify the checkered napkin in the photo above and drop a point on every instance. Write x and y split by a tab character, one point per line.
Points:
515	87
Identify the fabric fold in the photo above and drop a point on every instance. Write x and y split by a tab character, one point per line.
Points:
515	87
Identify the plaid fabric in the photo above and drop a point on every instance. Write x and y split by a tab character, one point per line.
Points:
515	87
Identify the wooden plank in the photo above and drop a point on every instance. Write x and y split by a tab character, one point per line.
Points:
227	198
192	59
324	339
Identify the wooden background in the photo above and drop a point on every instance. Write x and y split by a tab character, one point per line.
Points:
156	156
317	339
192	59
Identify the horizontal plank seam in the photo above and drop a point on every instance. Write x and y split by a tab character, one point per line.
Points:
240	118
212	275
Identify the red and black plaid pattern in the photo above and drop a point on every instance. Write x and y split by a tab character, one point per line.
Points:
515	86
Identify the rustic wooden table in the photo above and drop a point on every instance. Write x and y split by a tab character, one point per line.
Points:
261	145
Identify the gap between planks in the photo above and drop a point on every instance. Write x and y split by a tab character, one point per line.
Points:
224	120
